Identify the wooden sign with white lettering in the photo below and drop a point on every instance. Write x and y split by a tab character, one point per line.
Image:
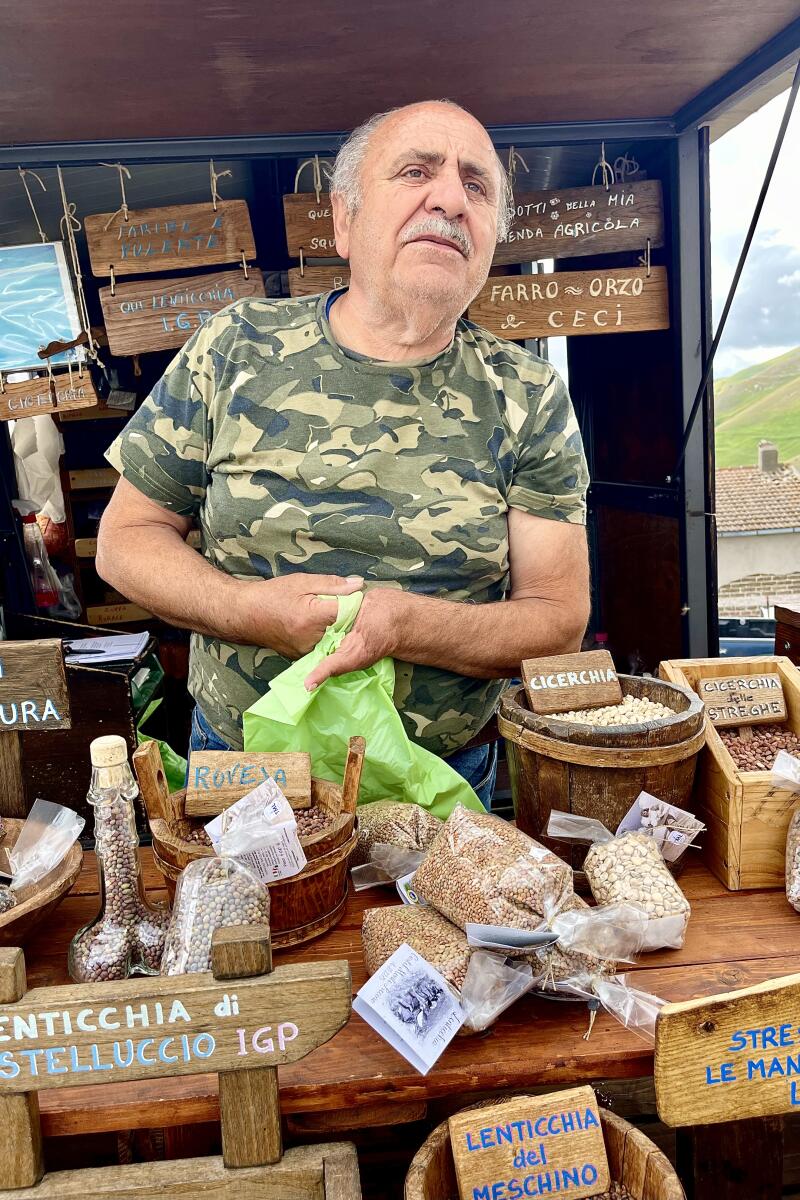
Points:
169	239
731	1056
35	396
565	682
580	221
161	314
315	280
309	225
531	1146
743	699
217	778
33	687
573	302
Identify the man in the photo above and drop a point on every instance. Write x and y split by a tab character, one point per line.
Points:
365	439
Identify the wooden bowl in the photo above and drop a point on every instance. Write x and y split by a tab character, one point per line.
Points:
37	900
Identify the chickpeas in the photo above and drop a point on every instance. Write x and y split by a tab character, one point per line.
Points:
632	710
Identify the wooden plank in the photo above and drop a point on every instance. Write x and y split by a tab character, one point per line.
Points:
12	783
116	614
556	1137
161	314
169	239
173	1025
563	682
33	686
573	303
21	1162
732	1160
218	778
93	477
743	699
35	396
85	547
309	225
315	280
97	412
730	1056
567	222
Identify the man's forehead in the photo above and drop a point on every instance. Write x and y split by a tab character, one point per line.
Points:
438	130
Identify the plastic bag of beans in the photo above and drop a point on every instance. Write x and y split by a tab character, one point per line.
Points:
211	892
393	823
481	869
786	774
629	869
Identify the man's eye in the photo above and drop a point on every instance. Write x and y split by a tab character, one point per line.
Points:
413	173
478	187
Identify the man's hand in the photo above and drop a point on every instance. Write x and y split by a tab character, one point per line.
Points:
287	613
373	636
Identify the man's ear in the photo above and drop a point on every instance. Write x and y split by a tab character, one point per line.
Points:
342	219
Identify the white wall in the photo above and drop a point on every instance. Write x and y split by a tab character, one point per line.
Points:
768	554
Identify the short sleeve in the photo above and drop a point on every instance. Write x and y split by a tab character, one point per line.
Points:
163	450
551	477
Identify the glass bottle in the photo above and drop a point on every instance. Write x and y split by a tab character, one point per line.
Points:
127	935
43	577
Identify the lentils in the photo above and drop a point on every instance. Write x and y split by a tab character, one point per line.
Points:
129	933
480	868
197	836
758	753
390	822
630	868
441	944
616	1191
7	899
632	710
212	892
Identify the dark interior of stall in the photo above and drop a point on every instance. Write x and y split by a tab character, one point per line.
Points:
625	388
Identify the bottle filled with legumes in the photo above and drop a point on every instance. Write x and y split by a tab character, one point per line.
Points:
127	935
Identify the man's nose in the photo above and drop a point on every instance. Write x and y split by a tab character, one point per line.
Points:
446	195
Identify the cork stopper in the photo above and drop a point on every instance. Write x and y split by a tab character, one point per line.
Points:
110	751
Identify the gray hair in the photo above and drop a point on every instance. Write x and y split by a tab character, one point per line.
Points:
346	177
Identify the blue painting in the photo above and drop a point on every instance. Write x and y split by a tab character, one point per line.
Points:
37	305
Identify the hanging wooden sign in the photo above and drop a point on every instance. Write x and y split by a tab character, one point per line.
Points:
580	221
573	302
564	682
218	778
169	239
161	314
531	1146
743	699
309	225
315	280
33	686
35	396
731	1056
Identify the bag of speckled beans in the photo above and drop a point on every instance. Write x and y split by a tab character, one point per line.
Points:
211	892
629	869
393	838
786	774
481	869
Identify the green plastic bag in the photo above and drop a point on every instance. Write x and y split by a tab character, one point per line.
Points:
174	766
359	703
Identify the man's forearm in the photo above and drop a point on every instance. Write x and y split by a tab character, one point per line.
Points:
160	572
486	641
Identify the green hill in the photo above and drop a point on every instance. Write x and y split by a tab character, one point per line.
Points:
759	402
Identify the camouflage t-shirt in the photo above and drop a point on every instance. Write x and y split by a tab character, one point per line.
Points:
295	455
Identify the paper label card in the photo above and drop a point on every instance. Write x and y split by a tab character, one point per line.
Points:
260	831
743	699
531	1146
412	1007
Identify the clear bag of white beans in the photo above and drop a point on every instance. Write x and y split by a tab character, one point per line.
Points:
629	869
786	774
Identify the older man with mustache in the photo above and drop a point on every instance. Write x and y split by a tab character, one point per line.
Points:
367	439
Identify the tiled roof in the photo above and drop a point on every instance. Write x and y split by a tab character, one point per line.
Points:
751	499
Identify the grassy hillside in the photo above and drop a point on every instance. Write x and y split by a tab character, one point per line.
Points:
759	402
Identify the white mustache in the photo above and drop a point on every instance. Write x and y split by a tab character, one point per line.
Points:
440	227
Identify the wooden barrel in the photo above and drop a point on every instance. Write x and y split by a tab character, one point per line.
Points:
598	771
633	1160
301	907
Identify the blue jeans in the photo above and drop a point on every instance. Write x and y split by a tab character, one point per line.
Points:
478	765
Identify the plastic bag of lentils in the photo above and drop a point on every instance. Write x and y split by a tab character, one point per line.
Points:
482	869
393	823
211	892
629	869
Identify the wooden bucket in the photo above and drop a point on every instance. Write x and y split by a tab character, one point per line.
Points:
633	1160
37	900
598	771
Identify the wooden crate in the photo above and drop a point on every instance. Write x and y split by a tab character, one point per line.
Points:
747	817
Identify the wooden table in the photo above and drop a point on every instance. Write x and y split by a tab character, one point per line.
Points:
733	939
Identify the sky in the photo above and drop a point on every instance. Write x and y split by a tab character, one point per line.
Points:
765	318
